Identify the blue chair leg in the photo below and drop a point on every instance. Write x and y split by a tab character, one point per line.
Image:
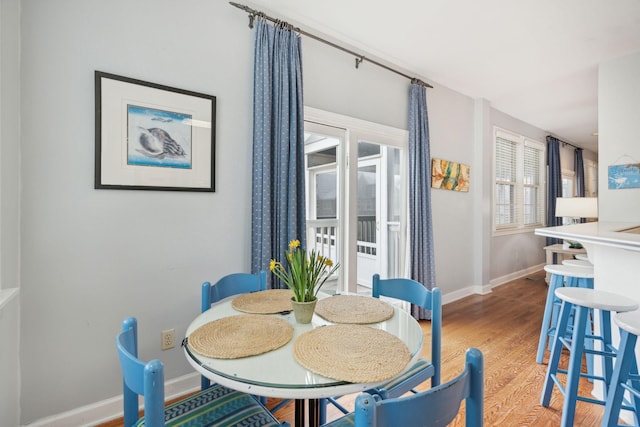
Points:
634	381
205	383
556	351
607	362
588	284
577	319
549	318
575	364
589	345
625	365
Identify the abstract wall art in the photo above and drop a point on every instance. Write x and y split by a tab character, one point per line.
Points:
447	175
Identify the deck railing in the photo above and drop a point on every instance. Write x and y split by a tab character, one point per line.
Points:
322	237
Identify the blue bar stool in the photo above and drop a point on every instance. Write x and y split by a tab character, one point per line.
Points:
625	374
561	275
579	303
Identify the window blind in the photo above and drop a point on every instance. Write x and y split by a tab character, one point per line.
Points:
506	181
519	182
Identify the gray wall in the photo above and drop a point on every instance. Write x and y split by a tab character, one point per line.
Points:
9	363
9	211
91	257
451	126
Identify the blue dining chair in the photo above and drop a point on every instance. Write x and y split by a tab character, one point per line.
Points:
423	369
217	405
435	407
231	284
429	299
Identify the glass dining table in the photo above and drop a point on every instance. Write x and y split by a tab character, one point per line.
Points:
278	374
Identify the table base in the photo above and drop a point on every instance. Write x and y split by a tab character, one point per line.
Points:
313	412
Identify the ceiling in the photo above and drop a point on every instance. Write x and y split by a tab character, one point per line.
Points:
536	60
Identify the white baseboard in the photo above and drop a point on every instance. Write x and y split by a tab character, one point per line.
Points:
461	293
109	409
486	289
515	275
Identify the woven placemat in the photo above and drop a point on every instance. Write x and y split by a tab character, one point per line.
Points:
239	336
353	353
264	302
353	309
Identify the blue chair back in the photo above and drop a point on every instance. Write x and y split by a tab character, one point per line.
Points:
139	378
429	299
218	405
232	284
435	407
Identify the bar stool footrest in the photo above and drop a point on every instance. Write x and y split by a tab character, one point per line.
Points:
590	400
582	375
561	388
631	390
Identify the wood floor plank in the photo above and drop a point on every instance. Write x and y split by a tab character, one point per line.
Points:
505	325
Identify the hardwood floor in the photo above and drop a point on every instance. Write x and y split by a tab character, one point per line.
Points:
505	326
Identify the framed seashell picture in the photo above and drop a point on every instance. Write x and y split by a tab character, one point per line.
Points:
153	137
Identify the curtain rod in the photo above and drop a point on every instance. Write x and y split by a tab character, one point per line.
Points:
565	142
359	58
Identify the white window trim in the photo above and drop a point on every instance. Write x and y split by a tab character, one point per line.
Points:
591	177
569	174
523	141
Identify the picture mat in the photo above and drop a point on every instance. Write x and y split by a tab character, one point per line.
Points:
115	97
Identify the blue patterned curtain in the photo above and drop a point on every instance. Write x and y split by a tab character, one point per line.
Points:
578	164
422	258
554	180
278	199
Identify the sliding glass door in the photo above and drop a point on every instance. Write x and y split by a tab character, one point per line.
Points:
356	215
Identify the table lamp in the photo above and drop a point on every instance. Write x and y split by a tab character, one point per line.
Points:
576	208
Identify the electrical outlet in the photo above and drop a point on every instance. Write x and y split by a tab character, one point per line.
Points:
168	339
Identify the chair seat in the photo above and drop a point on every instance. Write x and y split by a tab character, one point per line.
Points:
629	321
421	371
600	300
219	405
569	271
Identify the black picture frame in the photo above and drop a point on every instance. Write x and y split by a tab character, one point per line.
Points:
153	137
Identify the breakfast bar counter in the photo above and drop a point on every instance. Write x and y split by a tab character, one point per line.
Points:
614	250
618	235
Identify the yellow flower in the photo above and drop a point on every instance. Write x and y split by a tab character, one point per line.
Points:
304	273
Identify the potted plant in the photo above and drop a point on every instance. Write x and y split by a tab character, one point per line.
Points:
304	275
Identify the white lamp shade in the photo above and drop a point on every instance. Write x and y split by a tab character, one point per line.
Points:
577	207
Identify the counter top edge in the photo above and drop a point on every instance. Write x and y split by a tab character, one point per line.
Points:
599	233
